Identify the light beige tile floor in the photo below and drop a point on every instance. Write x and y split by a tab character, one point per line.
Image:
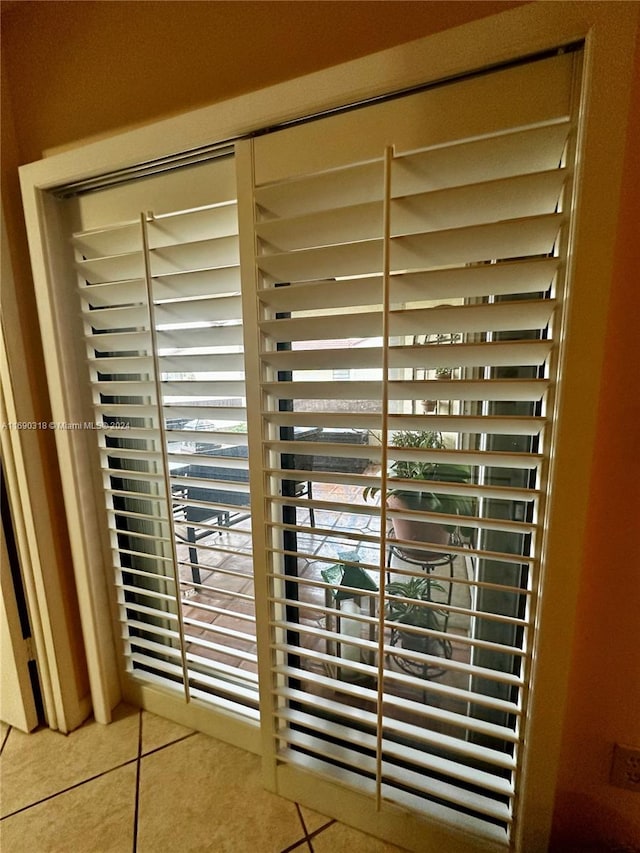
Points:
147	785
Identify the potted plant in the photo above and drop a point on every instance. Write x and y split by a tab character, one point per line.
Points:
426	499
405	607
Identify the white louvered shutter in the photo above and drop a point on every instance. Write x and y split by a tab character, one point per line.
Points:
162	312
411	260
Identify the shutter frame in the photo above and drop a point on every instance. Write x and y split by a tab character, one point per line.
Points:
492	331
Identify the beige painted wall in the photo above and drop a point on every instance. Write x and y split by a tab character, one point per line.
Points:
76	70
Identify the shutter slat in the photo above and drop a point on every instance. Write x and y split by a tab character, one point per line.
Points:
463	206
121	317
492	458
121	342
118	519
239	654
121	410
519	315
491	424
493	354
504	316
352	292
139	364
327	191
465	551
146	457
148	577
210	282
507	493
529	276
101	242
199	364
325	418
317	448
205	254
324	359
523	152
324	390
468	389
142	388
457	457
198	310
112	269
513	239
331	261
126	292
460	389
157	630
338	225
216	436
366	325
214	335
210	412
218	221
205	390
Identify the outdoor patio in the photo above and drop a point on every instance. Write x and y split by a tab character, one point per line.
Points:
219	617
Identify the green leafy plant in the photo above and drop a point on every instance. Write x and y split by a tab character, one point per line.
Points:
427	499
406	612
405	608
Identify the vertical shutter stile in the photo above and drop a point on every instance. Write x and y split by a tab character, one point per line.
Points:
162	435
411	310
384	439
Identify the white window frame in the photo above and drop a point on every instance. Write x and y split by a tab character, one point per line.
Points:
608	31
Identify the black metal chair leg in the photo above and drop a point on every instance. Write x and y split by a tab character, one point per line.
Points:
193	555
312	515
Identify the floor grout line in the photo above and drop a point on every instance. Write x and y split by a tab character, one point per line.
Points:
137	788
5	739
297	844
300	815
319	830
69	788
170	743
138	759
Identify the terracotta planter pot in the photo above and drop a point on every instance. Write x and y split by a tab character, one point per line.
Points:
413	530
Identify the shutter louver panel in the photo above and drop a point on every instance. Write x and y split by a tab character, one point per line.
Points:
410	287
163	320
526	195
